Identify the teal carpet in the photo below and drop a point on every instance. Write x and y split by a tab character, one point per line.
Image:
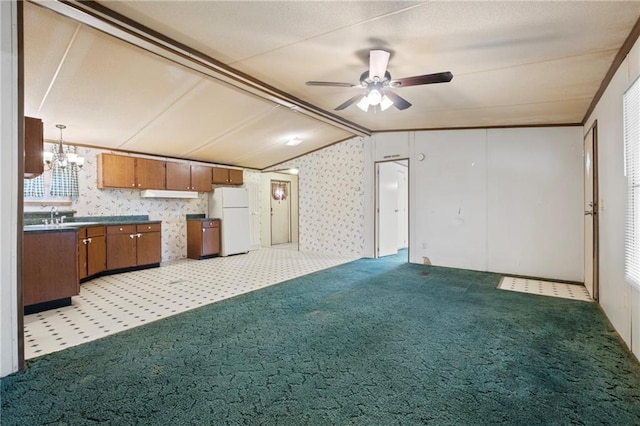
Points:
372	342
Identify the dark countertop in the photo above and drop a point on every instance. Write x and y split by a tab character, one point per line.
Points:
83	221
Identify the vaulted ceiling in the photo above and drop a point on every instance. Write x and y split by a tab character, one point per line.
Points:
224	82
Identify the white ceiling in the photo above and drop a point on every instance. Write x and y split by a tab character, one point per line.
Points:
514	63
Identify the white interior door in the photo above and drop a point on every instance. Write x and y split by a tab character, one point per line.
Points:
254	214
387	208
590	215
281	215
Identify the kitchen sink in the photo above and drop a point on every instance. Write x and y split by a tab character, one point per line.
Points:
59	225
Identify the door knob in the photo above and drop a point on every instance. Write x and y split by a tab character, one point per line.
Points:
589	213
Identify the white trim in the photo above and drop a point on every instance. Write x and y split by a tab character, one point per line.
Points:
9	361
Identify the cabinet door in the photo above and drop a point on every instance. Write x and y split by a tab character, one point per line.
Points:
96	255
178	176
194	239
121	247
235	177
214	235
201	178
82	254
116	171
209	241
33	147
220	175
149	248
150	174
49	266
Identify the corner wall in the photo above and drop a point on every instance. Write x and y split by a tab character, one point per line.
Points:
619	300
331	198
9	185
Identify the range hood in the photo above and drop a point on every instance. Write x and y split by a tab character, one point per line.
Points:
162	193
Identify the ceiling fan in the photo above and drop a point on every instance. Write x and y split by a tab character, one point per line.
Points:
377	82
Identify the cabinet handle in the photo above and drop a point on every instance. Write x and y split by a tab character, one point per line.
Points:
132	235
89	240
204	229
121	229
139	185
148	227
139	235
133	184
84	241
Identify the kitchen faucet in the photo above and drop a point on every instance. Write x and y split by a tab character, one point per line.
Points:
54	210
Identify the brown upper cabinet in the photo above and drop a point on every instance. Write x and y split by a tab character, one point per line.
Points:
185	177
119	171
33	147
226	176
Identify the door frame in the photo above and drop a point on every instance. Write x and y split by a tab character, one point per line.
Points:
596	209
376	182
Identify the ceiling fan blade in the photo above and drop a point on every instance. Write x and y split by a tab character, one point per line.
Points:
330	83
351	101
378	61
398	101
439	77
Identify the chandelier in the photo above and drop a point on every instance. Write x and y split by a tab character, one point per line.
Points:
62	159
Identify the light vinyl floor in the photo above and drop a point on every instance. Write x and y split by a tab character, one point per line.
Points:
545	288
110	304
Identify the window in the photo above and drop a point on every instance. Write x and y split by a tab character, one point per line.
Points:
631	104
57	184
34	188
64	180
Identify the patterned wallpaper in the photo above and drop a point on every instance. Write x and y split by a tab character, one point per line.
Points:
116	202
331	191
331	199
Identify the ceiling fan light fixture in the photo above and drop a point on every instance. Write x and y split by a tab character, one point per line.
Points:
374	97
364	104
385	103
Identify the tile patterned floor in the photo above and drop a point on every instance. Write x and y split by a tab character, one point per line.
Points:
114	303
545	288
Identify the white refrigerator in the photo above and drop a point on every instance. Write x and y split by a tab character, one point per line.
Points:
231	206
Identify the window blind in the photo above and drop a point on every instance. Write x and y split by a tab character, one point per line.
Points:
631	105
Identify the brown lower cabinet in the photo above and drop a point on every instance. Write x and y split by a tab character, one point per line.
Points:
92	251
50	266
203	238
129	246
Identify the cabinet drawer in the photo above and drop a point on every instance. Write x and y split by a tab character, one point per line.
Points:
148	227
121	229
93	231
210	223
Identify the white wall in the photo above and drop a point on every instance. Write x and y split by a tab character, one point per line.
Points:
9	185
449	198
534	202
502	200
619	300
